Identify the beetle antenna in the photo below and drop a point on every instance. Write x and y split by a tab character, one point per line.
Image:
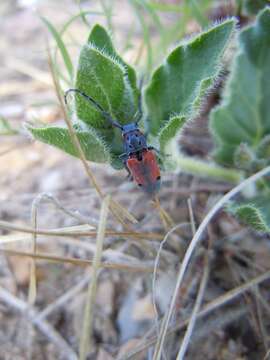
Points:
139	112
104	113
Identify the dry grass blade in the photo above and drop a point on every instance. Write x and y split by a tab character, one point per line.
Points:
155	271
109	255
32	291
124	213
194	242
195	311
41	324
73	232
192	218
164	216
63	299
200	294
207	309
78	262
91	293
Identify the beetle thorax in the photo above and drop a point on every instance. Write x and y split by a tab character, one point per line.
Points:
134	139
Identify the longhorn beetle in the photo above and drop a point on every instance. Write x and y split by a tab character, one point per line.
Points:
138	158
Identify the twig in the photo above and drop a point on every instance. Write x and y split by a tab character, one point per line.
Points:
69	232
62	300
80	262
76	215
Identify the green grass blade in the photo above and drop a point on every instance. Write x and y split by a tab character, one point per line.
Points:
61	46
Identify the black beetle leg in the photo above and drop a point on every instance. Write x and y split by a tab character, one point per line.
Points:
161	155
123	157
155	149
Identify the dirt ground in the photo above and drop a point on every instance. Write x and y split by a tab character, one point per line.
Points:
124	315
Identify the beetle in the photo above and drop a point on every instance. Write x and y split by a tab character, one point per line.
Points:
138	158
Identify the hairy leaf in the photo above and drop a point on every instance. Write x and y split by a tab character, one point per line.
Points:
104	79
253	7
168	134
100	39
254	213
243	116
177	86
104	76
93	147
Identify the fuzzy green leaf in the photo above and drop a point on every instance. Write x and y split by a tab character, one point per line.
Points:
254	6
243	116
168	134
100	39
93	147
61	46
6	128
177	86
254	213
103	78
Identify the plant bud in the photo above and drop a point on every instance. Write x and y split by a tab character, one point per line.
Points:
243	157
263	150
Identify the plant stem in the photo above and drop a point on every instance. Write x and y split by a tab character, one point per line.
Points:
206	169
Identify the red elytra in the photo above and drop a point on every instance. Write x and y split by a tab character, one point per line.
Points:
145	171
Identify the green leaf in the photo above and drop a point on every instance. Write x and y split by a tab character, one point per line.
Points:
254	213
244	157
243	116
93	147
168	134
105	80
6	128
104	76
61	46
178	86
100	39
254	6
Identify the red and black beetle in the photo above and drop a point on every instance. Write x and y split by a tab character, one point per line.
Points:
138	158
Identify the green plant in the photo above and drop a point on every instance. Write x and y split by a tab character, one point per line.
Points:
173	96
6	128
241	123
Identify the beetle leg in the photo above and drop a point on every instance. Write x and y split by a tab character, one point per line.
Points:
160	154
155	149
123	157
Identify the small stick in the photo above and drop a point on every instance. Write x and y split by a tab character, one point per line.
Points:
79	262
